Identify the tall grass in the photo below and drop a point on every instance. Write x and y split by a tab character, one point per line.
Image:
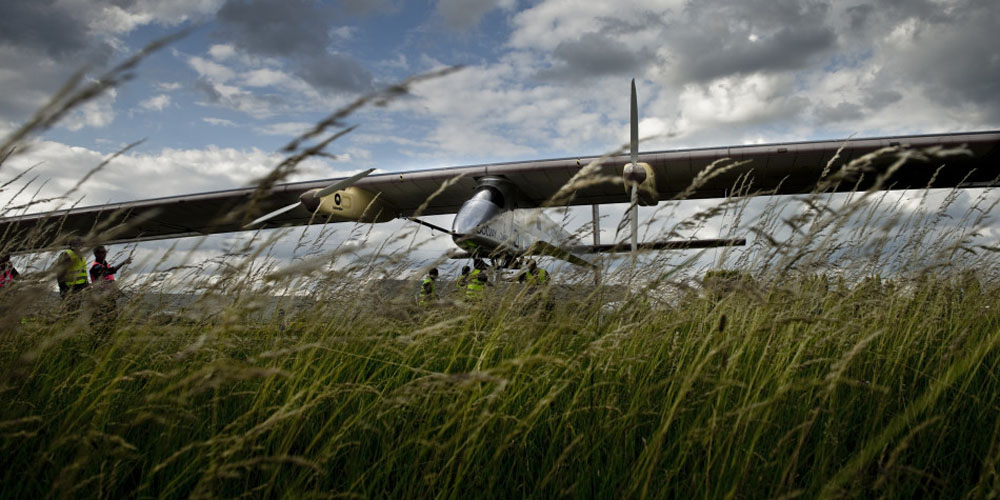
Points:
801	374
811	388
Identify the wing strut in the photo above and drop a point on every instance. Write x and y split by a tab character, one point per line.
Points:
432	226
634	149
596	212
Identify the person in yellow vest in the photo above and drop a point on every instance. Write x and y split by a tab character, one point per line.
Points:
71	275
426	293
71	269
463	279
536	282
476	289
534	277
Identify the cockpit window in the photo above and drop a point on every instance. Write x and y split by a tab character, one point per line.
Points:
490	194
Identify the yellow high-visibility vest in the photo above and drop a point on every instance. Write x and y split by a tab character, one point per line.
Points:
477	284
539	277
426	291
77	274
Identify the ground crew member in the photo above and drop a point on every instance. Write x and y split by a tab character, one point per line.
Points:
105	303
7	272
477	282
9	313
463	279
100	271
426	293
71	270
535	280
71	275
534	277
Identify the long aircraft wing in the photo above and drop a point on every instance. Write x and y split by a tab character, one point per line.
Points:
786	168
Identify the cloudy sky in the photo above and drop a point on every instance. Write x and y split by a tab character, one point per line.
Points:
541	79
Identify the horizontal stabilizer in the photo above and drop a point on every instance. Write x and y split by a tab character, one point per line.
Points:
538	248
546	248
664	245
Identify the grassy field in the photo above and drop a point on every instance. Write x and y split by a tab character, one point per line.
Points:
809	388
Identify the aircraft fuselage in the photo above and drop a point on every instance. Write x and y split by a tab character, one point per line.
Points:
497	222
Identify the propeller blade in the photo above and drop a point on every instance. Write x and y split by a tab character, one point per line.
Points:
635	217
274	214
337	186
634	125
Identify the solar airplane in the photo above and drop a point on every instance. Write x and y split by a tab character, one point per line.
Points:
497	206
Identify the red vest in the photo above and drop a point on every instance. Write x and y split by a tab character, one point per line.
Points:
108	276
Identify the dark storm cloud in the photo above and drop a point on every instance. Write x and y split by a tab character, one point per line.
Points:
297	30
463	14
255	103
207	89
961	60
366	7
902	9
42	42
593	55
276	27
721	38
868	21
858	16
843	111
950	54
880	98
47	26
334	71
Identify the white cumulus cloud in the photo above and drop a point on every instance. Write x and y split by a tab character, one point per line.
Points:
158	102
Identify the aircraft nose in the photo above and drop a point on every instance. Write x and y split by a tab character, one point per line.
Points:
472	215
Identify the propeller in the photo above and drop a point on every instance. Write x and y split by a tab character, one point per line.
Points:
314	195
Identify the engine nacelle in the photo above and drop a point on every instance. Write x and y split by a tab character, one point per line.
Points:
641	174
351	204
